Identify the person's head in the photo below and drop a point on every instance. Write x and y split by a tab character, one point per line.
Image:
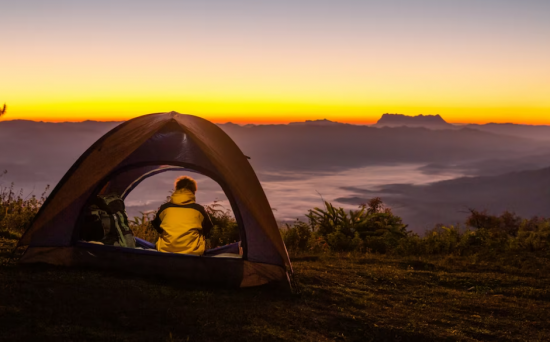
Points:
185	182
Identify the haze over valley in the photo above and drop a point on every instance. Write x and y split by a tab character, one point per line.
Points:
414	166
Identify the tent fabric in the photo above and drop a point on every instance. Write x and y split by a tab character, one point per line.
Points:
123	183
61	207
143	147
135	183
230	272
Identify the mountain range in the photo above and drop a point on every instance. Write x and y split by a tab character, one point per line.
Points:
538	132
507	165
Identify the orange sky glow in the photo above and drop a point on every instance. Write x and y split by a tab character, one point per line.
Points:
277	63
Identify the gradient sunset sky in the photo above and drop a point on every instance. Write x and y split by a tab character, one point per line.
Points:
276	61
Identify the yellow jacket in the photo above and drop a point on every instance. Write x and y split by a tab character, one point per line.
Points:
182	225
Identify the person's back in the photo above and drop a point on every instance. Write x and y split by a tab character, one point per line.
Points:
182	224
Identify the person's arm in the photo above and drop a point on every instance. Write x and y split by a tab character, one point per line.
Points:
206	224
157	221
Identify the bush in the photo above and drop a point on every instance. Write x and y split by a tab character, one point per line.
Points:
411	245
534	238
487	235
506	224
225	229
296	237
338	241
372	227
317	244
142	228
17	211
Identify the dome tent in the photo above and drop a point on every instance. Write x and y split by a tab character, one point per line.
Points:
140	148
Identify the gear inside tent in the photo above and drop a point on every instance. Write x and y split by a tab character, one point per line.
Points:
138	149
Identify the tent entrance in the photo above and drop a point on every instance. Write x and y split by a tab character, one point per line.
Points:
125	180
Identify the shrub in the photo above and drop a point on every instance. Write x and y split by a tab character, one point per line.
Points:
372	226
442	240
142	228
296	237
338	241
17	211
506	224
317	244
534	238
411	245
225	229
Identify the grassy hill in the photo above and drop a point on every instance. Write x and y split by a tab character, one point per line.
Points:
338	297
490	282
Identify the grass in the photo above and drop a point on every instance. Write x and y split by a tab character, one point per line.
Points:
487	284
338	297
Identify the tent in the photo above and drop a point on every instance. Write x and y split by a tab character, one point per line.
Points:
140	148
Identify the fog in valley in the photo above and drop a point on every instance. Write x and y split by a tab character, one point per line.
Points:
427	176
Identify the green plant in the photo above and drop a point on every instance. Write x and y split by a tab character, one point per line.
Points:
535	238
225	229
16	210
372	226
297	236
142	228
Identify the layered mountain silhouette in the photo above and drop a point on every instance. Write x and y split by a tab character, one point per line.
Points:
539	132
39	153
336	147
47	150
323	122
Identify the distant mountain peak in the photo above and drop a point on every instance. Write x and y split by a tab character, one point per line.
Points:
398	120
323	122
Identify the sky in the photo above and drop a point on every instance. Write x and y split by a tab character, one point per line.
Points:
471	61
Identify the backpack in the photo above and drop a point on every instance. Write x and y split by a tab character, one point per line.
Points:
107	222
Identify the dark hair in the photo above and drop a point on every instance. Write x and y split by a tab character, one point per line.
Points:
185	182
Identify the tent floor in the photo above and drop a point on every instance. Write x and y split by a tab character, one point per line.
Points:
225	270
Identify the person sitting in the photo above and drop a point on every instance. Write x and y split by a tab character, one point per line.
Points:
183	225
